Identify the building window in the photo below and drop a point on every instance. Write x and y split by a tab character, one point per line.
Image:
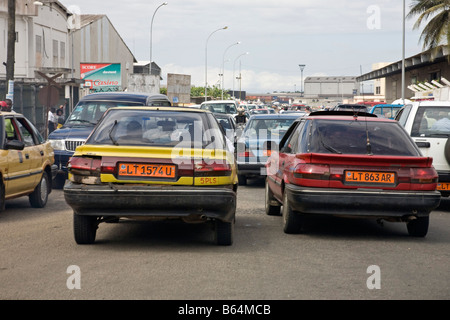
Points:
38	51
55	53
377	90
62	54
435	75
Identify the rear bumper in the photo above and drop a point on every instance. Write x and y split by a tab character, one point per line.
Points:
251	169
368	203
151	201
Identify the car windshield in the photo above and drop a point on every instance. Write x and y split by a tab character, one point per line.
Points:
360	137
431	122
273	128
89	112
157	128
229	108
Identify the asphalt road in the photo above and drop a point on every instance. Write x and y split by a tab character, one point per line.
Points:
174	260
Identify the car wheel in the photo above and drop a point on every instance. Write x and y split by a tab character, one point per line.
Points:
2	196
242	179
418	227
39	197
292	221
84	228
447	150
224	232
271	210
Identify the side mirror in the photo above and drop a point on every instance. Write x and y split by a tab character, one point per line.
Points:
14	145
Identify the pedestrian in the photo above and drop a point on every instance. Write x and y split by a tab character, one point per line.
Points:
60	118
9	104
52	120
241	118
3	106
308	110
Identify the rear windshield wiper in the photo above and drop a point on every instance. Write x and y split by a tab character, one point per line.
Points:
110	133
328	147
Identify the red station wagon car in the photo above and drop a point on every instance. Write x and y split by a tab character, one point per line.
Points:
350	165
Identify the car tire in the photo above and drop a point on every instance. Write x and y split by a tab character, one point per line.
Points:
447	150
292	221
418	227
38	198
84	228
271	210
2	196
242	179
224	232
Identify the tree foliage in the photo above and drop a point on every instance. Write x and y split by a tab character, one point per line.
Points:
215	92
436	31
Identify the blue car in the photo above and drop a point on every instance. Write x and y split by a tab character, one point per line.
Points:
83	119
254	145
388	111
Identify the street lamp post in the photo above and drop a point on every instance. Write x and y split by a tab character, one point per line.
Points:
403	54
223	65
302	66
234	66
151	31
206	60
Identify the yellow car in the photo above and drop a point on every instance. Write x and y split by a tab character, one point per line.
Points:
26	161
153	163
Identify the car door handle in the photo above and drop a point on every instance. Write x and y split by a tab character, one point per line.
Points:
41	152
422	144
27	156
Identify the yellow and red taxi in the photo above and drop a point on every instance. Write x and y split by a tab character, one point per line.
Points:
26	161
153	162
350	164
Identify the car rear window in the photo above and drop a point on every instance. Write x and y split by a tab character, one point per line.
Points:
157	128
220	107
359	137
267	127
431	122
91	111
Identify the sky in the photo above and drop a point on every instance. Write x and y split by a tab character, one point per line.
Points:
330	37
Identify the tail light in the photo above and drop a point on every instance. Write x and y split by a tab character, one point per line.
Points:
312	175
312	171
245	154
423	175
204	169
85	166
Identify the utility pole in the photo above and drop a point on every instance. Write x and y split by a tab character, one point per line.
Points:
11	40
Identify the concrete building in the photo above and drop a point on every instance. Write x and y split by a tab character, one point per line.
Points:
337	88
45	45
422	72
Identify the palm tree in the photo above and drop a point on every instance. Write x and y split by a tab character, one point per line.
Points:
437	29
